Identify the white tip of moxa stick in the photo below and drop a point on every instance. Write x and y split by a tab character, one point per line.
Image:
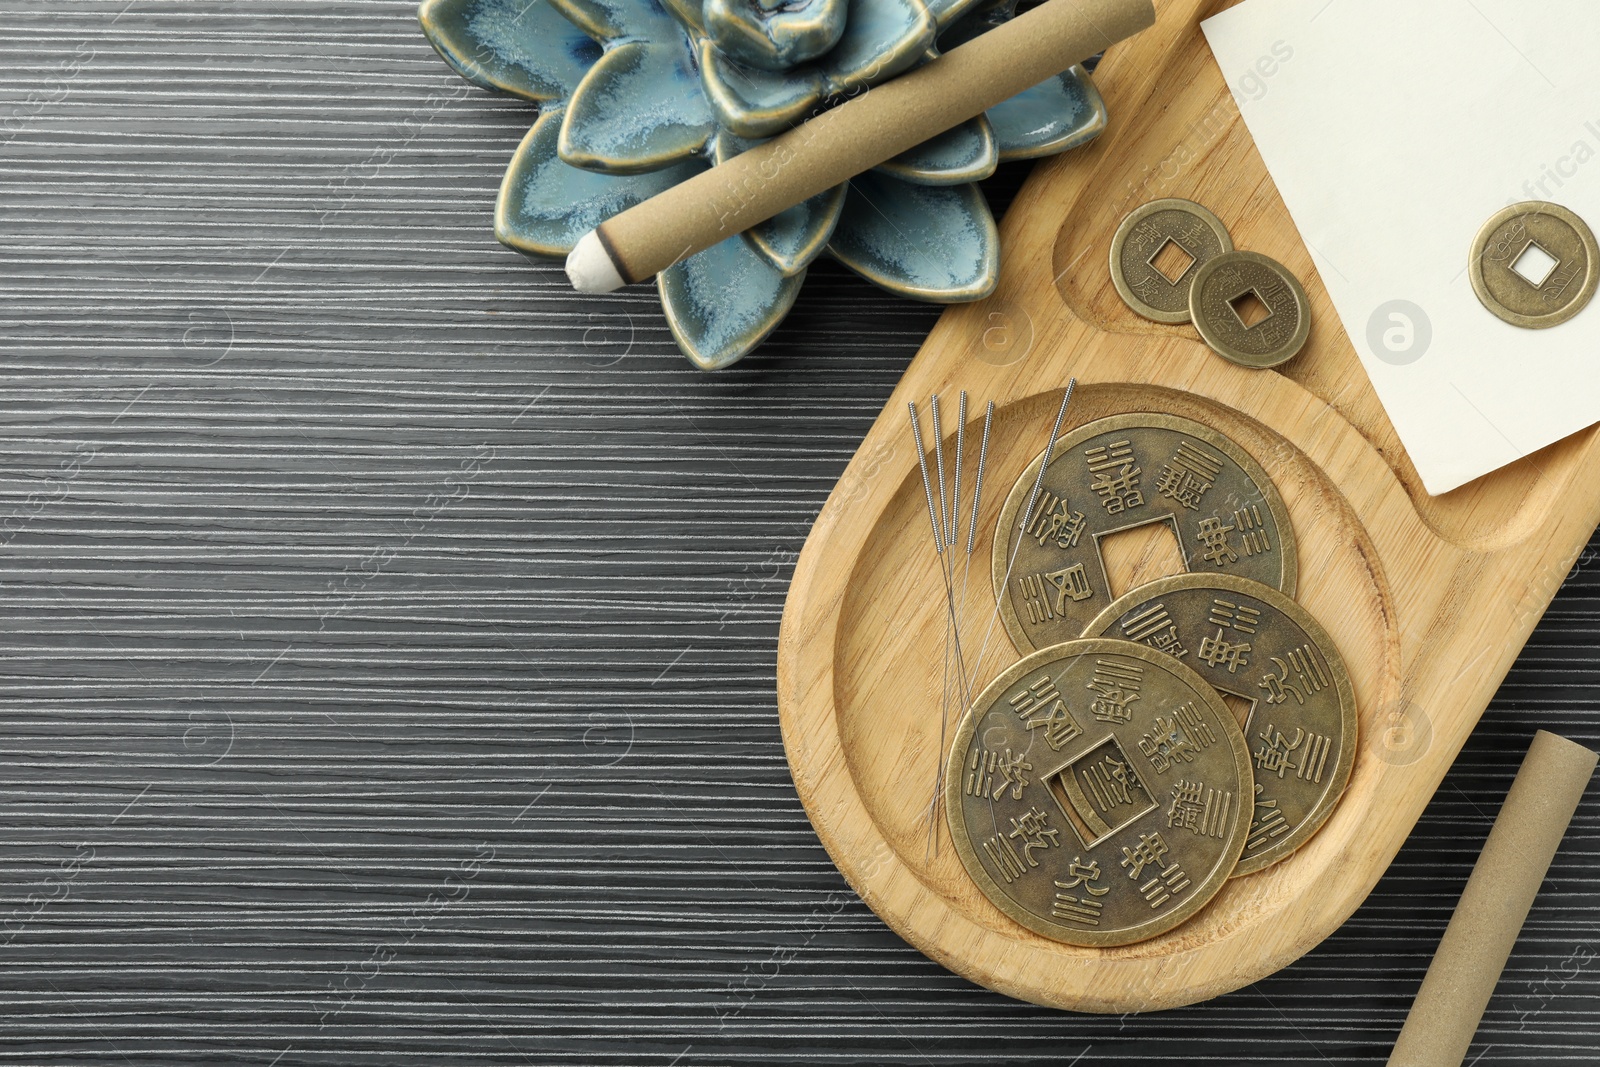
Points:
589	266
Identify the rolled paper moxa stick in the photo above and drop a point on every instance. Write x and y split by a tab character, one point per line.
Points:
1494	904
846	140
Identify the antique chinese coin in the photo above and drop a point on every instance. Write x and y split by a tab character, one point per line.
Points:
1098	792
1115	474
1252	642
1534	264
1250	309
1156	252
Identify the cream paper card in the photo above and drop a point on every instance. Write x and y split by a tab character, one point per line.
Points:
1394	129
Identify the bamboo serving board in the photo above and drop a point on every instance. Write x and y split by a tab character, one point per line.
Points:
1428	598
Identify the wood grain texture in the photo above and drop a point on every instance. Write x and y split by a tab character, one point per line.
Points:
276	669
1427	598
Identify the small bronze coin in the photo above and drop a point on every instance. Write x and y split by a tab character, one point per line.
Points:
1096	792
1252	642
1115	474
1250	309
1196	236
1534	264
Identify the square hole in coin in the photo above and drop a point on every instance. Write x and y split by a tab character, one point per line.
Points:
1240	706
1100	792
1535	265
1172	261
1250	309
1135	555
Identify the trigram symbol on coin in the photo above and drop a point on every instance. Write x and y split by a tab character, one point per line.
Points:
1308	665
1314	758
1241	617
1036	596
1085	910
1161	888
1252	530
1154	626
1267	823
1004	858
1197	728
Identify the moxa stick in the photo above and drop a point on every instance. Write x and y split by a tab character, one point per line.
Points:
846	140
1494	904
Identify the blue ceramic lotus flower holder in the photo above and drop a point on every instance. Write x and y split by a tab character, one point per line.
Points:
637	95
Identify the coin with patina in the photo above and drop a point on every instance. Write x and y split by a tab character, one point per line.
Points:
1115	474
1534	264
1097	792
1252	642
1179	230
1250	309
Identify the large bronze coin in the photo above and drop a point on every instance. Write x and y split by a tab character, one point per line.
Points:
1118	473
1192	235
1097	792
1535	264
1252	642
1227	295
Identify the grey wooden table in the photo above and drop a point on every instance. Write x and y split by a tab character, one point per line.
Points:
388	633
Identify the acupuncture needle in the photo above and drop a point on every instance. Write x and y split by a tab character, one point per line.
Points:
938	547
948	520
952	529
933	513
927	486
1027	516
933	522
955	491
977	488
938	458
977	497
940	536
952	521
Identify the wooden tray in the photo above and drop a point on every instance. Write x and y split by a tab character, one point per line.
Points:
1428	598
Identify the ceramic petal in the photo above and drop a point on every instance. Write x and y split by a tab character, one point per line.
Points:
639	108
945	12
965	153
1057	114
619	20
774	36
925	241
973	19
792	238
756	103
515	46
723	302
881	39
686	12
545	205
